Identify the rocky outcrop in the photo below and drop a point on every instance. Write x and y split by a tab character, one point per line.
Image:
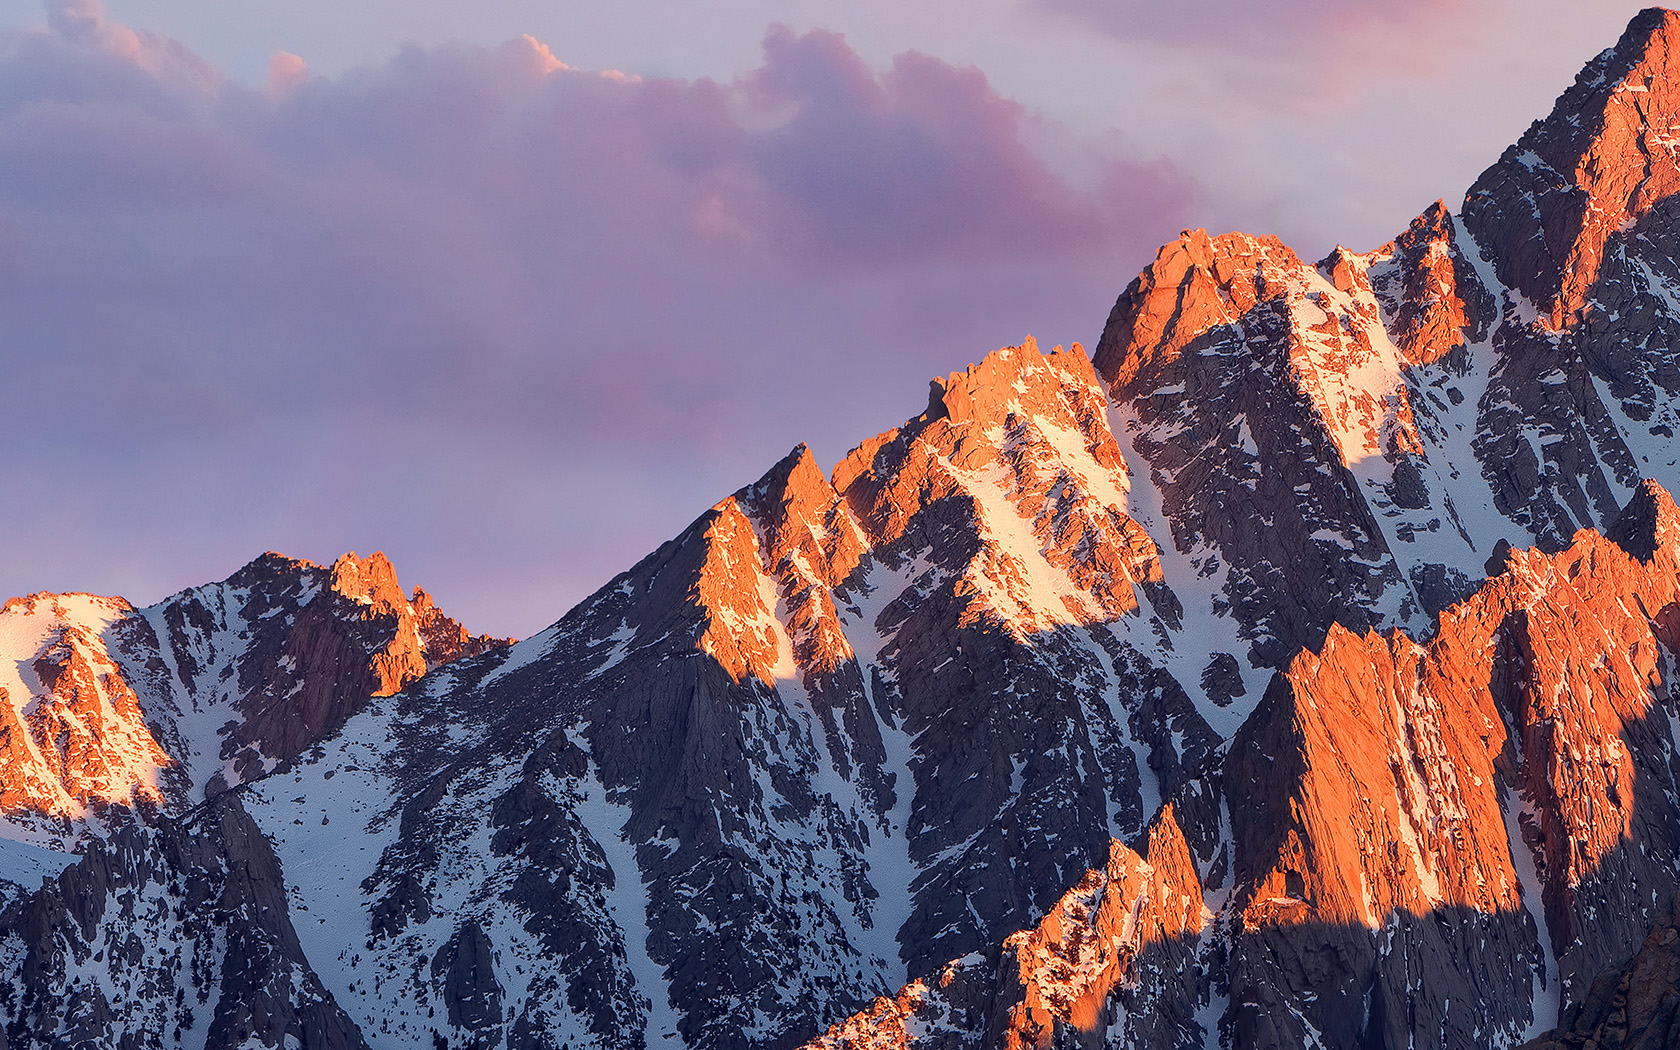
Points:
465	969
1018	436
1115	960
1296	672
311	645
834	735
73	737
1434	303
178	934
1634	1006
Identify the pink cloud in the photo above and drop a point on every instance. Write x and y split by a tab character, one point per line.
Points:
513	320
1298	25
924	160
286	72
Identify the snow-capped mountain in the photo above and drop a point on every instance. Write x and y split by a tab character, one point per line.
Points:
1296	670
143	908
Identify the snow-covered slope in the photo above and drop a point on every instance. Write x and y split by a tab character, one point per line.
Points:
1349	442
833	735
1247	685
140	902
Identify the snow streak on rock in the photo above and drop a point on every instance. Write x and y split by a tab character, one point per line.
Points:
1297	671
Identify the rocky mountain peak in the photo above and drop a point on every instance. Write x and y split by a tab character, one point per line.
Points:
73	737
1012	464
372	580
810	544
1195	283
1433	302
1015	379
318	643
1649	522
104	704
798	511
1640	63
1594	169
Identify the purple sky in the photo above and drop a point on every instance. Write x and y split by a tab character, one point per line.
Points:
437	279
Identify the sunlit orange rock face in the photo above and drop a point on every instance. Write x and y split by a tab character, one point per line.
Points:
277	656
1123	937
72	734
934	1009
1122	929
1020	436
1429	291
810	545
1386	782
1276	408
1011	475
789	540
422	638
1588	175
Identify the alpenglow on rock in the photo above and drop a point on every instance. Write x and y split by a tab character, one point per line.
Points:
1297	670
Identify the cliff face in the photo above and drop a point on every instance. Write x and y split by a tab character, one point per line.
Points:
1347	441
1451	839
112	705
166	935
1510	782
837	733
1296	671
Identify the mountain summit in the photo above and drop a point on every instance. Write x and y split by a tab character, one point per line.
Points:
1297	670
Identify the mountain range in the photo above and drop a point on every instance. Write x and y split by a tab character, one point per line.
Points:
1296	669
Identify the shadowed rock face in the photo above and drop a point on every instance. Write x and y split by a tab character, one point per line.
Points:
1298	671
188	931
112	705
1635	1006
1434	844
1346	442
309	646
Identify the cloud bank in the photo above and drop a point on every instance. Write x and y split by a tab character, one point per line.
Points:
513	322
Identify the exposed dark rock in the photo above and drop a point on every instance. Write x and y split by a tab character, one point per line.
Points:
466	973
189	925
1633	1006
1222	679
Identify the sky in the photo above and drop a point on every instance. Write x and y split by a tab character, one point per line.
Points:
514	290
